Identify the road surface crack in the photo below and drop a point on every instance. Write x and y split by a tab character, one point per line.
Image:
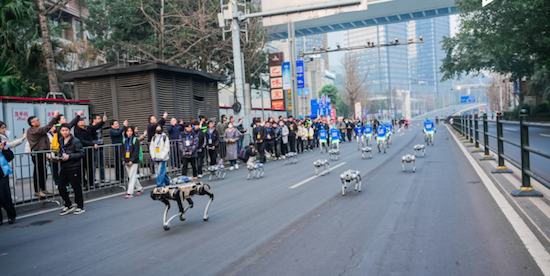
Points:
351	257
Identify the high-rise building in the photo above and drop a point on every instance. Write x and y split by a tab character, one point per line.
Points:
425	61
386	67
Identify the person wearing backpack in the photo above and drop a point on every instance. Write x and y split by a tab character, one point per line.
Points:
189	143
131	153
159	149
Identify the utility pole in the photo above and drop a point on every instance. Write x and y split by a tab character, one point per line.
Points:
237	58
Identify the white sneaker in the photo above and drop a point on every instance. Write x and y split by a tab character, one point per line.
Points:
236	166
200	176
231	168
66	210
79	211
284	157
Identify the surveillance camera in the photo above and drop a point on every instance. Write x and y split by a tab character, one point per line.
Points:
337	45
314	48
421	39
311	59
396	40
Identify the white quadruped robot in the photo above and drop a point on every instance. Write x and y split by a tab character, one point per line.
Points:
365	150
409	158
419	148
292	157
349	176
256	169
321	163
217	170
179	193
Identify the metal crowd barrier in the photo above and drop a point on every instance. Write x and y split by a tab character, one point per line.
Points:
467	127
106	158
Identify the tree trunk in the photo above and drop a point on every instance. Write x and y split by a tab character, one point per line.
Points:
47	46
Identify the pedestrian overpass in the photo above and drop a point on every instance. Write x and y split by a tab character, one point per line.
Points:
379	12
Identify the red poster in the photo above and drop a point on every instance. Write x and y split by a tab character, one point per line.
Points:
333	114
278	105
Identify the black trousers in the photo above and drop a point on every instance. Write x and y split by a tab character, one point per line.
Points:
119	168
39	176
213	154
316	140
269	147
300	145
193	162
88	167
349	135
71	176
200	160
284	148
292	143
55	172
260	147
5	199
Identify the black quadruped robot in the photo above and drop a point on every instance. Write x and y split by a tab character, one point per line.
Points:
179	193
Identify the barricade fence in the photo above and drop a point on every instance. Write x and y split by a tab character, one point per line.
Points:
468	127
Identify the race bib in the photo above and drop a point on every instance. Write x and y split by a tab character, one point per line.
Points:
158	150
127	154
258	136
209	141
291	128
187	143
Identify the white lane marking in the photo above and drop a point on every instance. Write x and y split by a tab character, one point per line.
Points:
533	245
313	177
547	135
512	129
402	134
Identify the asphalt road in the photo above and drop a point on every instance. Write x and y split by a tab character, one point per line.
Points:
440	220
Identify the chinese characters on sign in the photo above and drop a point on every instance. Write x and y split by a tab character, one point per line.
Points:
286	76
277	94
21	115
300	73
278	105
276	80
275	71
276	83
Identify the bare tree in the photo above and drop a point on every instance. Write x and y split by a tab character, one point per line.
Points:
355	84
493	93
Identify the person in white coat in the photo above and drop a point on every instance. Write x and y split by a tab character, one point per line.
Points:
284	141
159	149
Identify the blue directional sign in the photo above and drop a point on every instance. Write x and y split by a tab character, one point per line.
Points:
300	73
468	99
306	91
286	76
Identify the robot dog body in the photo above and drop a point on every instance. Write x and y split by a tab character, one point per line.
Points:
348	177
179	193
364	150
217	170
419	148
409	158
292	157
256	169
321	163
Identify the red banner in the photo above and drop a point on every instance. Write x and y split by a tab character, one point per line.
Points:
278	105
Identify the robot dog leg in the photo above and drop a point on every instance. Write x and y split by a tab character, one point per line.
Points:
179	193
409	158
321	163
364	150
349	176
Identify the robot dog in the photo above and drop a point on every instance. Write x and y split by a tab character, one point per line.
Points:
179	193
349	176
321	163
217	170
409	158
292	157
334	154
256	169
364	150
419	148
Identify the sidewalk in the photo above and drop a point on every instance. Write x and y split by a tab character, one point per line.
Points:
534	211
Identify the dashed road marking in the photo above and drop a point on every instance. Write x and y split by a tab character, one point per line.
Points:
313	177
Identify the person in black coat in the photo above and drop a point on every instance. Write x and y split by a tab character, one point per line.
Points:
201	147
260	134
5	192
71	153
270	138
188	144
292	129
84	133
117	132
212	142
